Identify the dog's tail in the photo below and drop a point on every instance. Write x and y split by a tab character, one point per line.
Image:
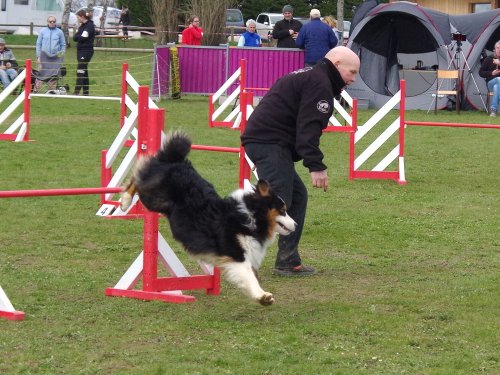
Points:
175	148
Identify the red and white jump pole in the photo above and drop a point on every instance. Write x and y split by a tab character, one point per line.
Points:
151	124
22	123
56	192
7	310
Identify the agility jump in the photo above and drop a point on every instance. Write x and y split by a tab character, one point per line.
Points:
233	119
150	124
154	246
349	117
21	125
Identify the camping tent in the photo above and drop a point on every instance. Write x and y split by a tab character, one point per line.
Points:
482	31
400	40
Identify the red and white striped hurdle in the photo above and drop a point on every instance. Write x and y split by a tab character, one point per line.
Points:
20	125
233	119
357	159
129	118
149	136
18	131
7	310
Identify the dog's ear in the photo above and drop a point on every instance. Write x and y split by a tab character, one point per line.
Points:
263	188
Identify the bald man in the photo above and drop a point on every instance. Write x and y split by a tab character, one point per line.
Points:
285	128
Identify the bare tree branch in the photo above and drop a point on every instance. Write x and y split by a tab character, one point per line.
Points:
164	16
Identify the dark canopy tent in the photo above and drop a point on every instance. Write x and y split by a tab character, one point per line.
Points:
391	40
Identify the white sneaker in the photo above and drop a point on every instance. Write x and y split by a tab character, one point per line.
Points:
493	113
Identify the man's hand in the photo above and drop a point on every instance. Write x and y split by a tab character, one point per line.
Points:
320	179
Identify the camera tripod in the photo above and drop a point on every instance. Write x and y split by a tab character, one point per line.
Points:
456	57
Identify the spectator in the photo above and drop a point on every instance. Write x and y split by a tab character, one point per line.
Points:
8	65
316	38
125	20
287	29
250	38
490	71
286	127
84	37
332	22
192	34
50	49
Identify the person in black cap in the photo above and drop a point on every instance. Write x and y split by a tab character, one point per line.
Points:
287	29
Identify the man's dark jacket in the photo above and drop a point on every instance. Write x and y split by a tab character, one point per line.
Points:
282	33
295	111
487	67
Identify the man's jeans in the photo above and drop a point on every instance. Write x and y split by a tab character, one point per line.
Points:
275	165
494	87
7	76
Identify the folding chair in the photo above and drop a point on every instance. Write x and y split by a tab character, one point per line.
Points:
54	82
450	77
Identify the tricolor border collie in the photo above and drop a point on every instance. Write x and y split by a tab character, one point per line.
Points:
232	233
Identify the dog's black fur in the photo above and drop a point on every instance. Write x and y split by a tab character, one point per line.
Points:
232	233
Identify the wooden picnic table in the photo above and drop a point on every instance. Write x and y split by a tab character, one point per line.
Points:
108	39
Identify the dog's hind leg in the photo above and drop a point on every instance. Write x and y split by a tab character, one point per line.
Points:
243	276
128	194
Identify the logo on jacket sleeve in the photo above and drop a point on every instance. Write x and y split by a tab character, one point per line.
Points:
323	106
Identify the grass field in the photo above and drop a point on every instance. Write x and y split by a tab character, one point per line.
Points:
408	278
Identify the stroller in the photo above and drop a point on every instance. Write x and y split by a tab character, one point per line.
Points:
51	75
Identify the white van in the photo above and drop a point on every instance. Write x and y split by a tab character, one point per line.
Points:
265	23
112	18
24	12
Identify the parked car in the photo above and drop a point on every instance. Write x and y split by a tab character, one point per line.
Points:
235	24
112	18
234	17
347	30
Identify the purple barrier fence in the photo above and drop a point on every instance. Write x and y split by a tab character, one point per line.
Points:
161	72
265	65
203	70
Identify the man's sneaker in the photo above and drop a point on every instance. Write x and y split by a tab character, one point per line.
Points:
301	270
493	113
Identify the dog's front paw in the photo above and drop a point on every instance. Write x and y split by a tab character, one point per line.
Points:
266	299
126	201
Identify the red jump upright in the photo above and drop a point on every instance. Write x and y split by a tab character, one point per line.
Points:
169	289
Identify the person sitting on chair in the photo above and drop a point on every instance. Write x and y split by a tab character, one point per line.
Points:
50	49
8	65
490	71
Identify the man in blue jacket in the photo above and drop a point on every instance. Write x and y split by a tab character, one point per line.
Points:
316	38
50	49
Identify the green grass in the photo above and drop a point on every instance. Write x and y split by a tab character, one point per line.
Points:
408	275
